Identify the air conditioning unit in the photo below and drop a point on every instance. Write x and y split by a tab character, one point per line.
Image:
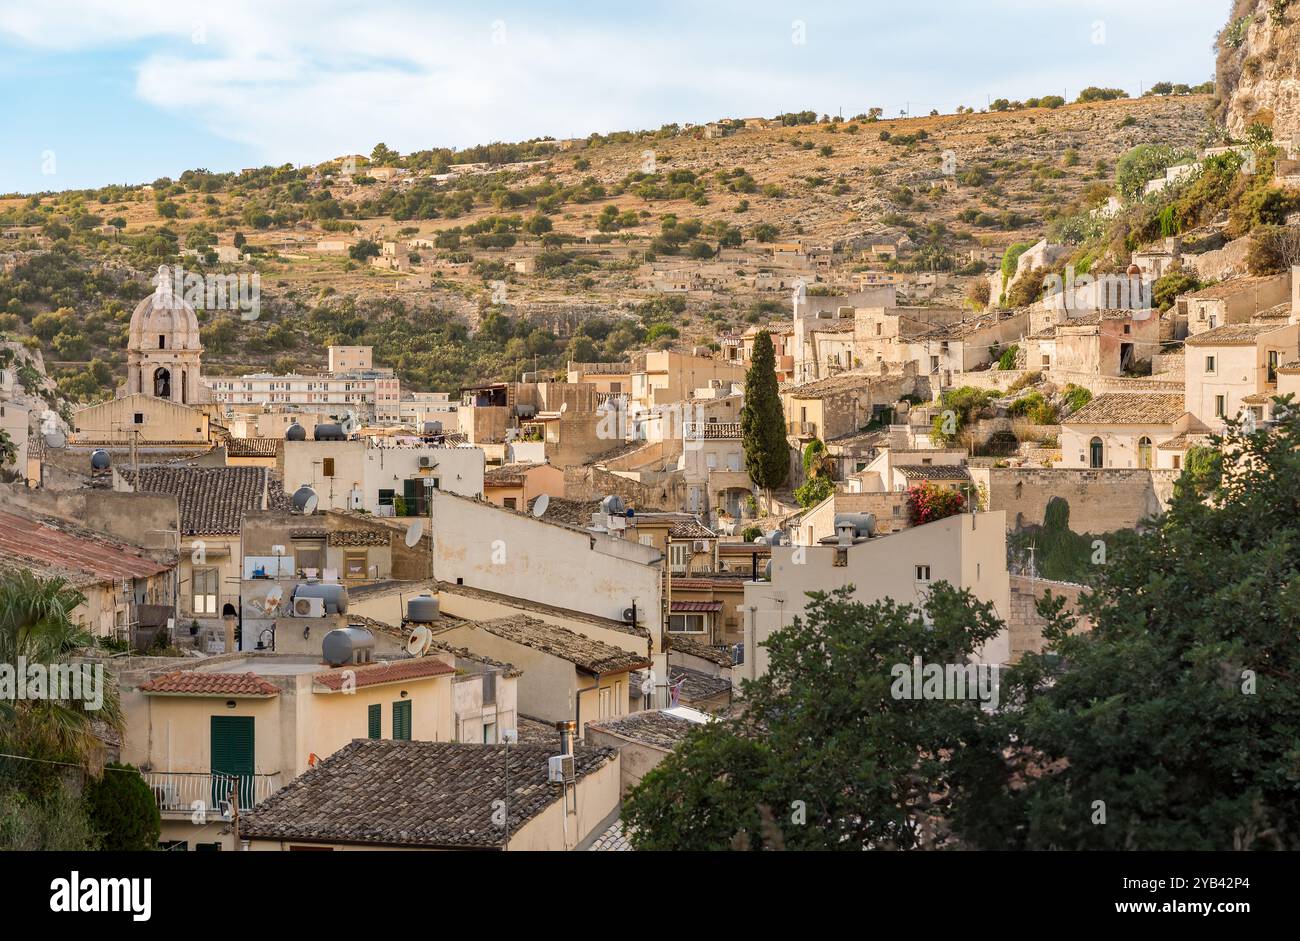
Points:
309	607
426	461
559	769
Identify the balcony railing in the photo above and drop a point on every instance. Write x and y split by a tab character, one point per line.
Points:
185	792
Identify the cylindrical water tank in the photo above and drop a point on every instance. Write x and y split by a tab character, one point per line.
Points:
433	428
422	609
99	459
612	505
342	646
330	432
335	595
864	523
295	432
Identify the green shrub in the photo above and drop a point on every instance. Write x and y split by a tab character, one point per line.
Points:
123	810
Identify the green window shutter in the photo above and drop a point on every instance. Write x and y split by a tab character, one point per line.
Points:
402	720
375	713
233	752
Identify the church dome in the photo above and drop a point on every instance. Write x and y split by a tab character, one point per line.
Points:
164	314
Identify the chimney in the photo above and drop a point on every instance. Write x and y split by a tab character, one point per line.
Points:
568	730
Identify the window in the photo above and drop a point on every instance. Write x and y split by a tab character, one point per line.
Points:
354	565
1220	406
327	467
1128	328
374	718
923	573
511	503
1144	452
1178	462
687	623
162	341
1210	365
402	720
139	418
646	540
606	701
206	589
489	688
1096	453
1272	365
679	557
386	497
489	733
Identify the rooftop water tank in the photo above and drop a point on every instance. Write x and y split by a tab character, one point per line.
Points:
301	497
99	459
864	524
433	428
345	645
612	505
422	609
330	432
295	432
335	596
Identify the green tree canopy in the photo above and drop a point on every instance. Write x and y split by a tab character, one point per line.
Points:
762	419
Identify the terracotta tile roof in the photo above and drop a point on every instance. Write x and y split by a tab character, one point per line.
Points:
198	683
696	685
1229	288
680	643
252	447
390	671
612	840
696	607
1130	408
652	727
537	607
933	471
680	525
429	794
508	475
1182	442
591	656
571	513
212	500
346	538
832	385
26	542
1232	334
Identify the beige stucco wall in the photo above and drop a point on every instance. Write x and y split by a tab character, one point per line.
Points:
968	551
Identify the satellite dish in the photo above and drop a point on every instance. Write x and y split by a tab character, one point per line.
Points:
413	533
349	423
272	600
648	684
564	407
309	507
540	505
55	438
421	639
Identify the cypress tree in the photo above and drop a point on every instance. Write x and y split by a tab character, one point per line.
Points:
762	420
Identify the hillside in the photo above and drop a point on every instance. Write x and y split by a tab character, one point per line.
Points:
1258	68
593	224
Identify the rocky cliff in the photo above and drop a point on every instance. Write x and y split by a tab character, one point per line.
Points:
1258	68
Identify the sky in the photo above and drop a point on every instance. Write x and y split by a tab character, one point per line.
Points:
128	91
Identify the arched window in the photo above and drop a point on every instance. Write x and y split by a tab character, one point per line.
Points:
1095	453
162	383
1144	452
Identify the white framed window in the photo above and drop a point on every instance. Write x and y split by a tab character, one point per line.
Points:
922	573
1211	365
1220	406
679	556
207	584
687	623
